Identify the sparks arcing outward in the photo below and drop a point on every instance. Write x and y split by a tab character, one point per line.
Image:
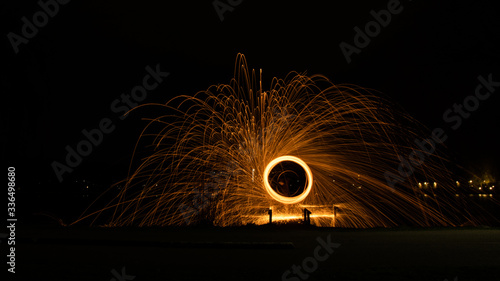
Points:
212	156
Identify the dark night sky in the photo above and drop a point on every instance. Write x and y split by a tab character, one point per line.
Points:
66	77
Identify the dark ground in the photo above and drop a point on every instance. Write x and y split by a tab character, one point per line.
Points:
202	253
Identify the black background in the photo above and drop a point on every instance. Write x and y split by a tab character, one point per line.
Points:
66	77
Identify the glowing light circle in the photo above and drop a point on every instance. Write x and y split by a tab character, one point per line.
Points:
284	199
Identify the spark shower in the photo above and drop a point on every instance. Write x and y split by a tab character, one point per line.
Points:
213	157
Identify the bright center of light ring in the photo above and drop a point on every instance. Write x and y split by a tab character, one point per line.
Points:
284	199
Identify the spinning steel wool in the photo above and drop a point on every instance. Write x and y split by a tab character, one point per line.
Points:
230	153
